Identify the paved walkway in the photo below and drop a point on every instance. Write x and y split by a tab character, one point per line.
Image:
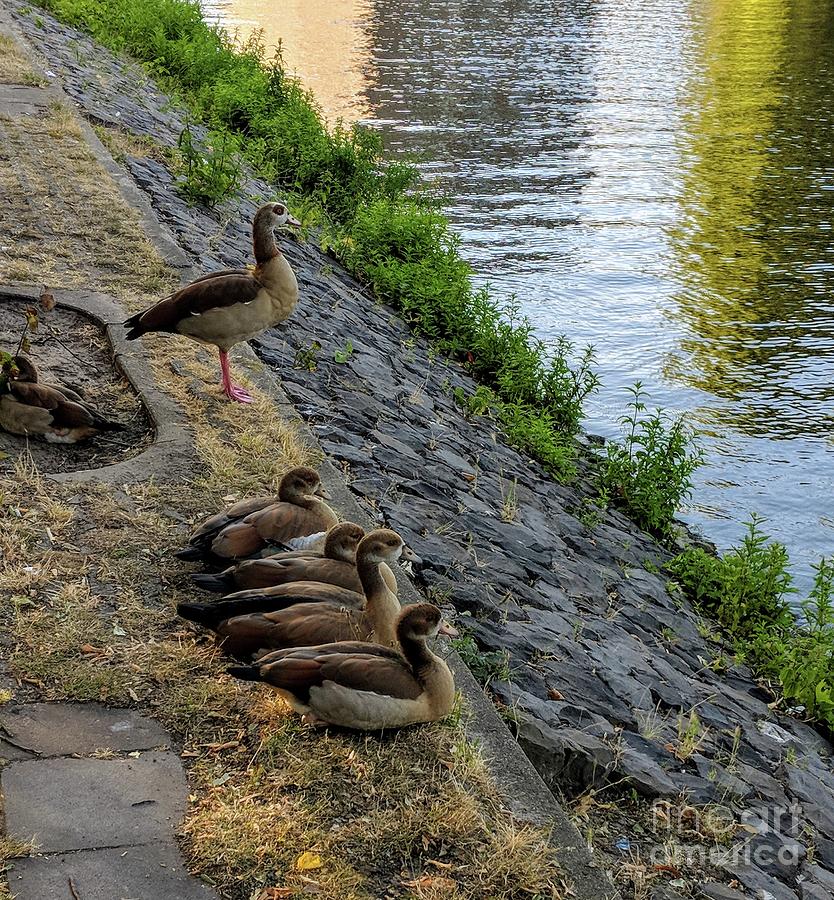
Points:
97	792
99	795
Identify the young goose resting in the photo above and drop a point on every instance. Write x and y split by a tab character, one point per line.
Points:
236	532
364	686
336	564
56	413
306	624
225	308
263	600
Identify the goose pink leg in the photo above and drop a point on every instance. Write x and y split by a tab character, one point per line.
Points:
230	389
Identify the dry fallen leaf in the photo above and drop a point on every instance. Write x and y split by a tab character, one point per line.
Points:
308	861
275	893
90	650
438	885
47	299
554	694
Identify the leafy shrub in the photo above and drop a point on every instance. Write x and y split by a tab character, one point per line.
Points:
746	590
209	173
802	659
650	472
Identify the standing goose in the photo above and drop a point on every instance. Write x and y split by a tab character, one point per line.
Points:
225	308
306	624
56	413
296	511
361	685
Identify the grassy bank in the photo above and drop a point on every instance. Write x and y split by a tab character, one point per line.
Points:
88	587
375	218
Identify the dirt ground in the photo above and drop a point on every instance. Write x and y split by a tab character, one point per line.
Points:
71	350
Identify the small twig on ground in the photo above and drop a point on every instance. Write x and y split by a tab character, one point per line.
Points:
73	890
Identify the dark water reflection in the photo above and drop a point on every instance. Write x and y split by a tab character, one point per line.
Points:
652	177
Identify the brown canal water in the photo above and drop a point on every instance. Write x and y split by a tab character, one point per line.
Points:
653	177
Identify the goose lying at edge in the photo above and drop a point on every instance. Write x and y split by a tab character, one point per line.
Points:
298	510
305	624
225	308
57	414
361	685
336	564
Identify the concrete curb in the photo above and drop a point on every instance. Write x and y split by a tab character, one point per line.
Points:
525	793
172	446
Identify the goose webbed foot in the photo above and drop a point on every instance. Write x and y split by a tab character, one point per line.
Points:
236	392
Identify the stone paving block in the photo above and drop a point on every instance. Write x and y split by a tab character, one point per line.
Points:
79	804
65	729
151	872
9	753
22	100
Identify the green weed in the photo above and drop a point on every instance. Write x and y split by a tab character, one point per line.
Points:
211	172
485	665
650	473
746	590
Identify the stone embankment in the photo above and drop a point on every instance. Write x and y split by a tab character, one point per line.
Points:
610	677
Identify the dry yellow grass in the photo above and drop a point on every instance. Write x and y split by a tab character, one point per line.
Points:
14	67
89	586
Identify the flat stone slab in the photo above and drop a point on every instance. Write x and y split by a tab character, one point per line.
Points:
67	729
151	872
22	100
81	804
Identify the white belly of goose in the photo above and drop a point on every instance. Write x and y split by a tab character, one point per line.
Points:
226	326
365	709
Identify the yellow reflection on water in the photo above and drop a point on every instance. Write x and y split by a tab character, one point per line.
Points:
753	247
721	249
322	41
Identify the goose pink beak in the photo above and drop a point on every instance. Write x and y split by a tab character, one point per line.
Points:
447	630
291	220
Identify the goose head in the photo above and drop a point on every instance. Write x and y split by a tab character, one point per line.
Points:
273	215
301	484
422	621
342	540
26	370
384	546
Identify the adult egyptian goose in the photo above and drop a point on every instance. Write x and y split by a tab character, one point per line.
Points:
225	308
336	564
361	685
51	411
238	532
305	624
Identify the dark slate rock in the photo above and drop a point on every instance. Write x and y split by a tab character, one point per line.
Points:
715	891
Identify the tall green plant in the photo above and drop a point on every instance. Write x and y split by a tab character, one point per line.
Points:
211	171
802	659
650	472
746	589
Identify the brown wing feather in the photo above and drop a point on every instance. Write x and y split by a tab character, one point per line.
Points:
301	625
351	664
233	513
209	292
65	413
